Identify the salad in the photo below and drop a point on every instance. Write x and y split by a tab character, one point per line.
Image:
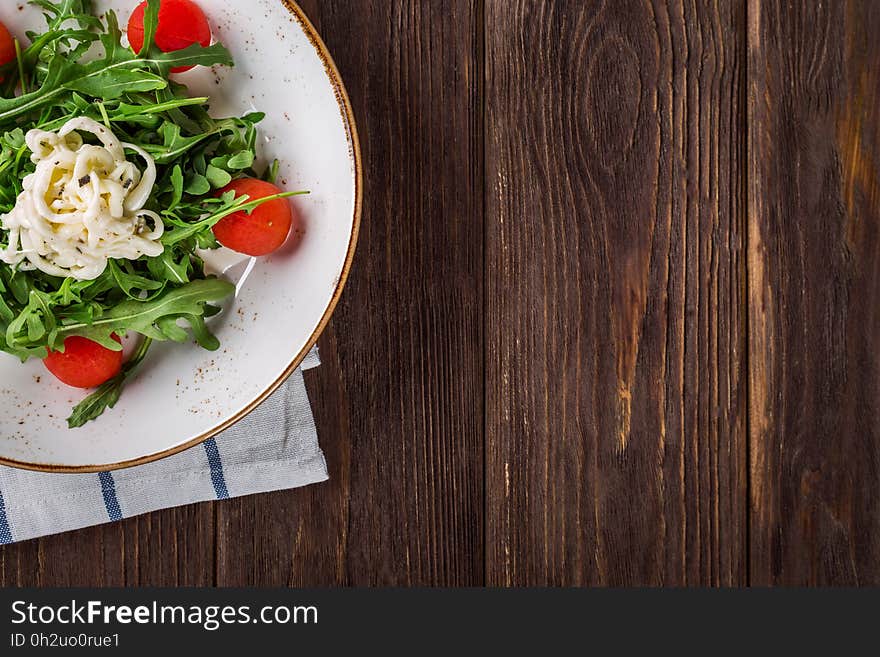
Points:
115	188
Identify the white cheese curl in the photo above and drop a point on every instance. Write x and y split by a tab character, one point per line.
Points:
83	206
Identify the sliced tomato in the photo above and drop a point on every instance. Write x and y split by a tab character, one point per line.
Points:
181	24
265	229
84	363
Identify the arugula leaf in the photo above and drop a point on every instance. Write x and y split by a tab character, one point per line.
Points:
109	84
145	317
132	284
151	23
176	186
198	185
217	177
165	268
241	160
106	396
231	206
106	78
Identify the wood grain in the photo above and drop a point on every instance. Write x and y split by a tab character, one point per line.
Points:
404	387
616	442
814	276
174	547
169	548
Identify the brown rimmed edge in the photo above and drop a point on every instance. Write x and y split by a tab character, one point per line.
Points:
347	113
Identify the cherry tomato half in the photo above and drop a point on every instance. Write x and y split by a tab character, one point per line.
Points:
181	24
7	47
265	229
84	363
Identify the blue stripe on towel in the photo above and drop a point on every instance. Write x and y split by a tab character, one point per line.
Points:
108	488
216	463
5	531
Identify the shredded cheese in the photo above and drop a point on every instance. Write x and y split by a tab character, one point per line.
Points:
82	206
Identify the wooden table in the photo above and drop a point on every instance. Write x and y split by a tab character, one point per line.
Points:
613	318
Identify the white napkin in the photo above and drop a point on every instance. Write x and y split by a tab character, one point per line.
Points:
273	448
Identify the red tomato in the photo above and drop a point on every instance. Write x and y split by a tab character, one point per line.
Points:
262	231
7	47
84	364
181	24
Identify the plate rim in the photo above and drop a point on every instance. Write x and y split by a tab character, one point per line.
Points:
348	118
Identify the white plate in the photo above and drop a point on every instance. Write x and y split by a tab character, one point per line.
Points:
183	394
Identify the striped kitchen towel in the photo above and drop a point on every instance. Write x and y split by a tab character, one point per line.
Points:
273	448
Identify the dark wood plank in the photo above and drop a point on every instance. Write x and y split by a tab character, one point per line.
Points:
89	557
20	564
616	438
174	547
398	401
814	276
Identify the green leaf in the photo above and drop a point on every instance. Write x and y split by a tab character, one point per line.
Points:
171	329
271	173
63	75
242	160
198	185
6	313
144	317
203	336
164	268
217	177
109	84
93	406
194	55
176	186
174	144
20	287
107	395
128	112
111	39
132	284
151	23
206	240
